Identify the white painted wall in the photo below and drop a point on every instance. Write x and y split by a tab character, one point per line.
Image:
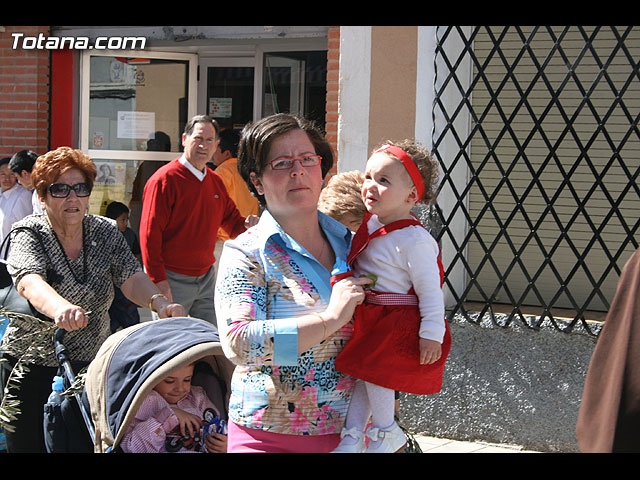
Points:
353	99
353	124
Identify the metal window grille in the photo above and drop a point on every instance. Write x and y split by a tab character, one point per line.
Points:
543	121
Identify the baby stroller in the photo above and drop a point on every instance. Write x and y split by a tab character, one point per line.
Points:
133	360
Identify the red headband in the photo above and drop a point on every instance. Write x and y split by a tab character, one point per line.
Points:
409	165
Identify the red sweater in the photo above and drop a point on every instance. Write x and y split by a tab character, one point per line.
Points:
180	219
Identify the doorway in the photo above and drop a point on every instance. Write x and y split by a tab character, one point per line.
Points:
125	100
238	90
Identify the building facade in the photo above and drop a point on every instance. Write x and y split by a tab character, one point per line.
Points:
535	128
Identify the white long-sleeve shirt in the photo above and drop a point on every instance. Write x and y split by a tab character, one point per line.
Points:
404	258
15	204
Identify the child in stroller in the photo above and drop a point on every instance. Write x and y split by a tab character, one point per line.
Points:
176	417
133	361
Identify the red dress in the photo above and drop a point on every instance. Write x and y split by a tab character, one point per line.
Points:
384	349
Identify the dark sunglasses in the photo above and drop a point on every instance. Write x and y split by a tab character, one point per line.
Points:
62	190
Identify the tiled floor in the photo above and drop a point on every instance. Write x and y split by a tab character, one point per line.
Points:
439	445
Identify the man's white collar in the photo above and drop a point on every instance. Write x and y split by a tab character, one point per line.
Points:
199	175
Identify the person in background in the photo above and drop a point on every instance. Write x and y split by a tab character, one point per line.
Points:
15	200
609	414
21	165
183	206
123	312
159	142
226	162
119	212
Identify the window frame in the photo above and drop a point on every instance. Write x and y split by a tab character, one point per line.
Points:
85	78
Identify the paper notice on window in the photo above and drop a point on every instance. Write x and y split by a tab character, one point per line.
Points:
136	124
109	186
220	107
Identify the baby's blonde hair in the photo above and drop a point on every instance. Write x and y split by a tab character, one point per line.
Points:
342	198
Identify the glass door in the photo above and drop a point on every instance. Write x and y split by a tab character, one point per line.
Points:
283	80
226	90
133	111
294	82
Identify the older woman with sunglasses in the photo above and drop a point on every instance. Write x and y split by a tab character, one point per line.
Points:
280	319
68	275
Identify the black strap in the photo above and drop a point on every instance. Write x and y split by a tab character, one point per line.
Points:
10	291
51	274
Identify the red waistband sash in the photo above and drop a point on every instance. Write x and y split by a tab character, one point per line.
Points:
387	298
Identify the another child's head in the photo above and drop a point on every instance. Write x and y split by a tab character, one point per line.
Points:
341	199
399	175
175	386
119	212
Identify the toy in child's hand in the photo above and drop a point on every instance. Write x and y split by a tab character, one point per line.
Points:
213	424
176	441
210	425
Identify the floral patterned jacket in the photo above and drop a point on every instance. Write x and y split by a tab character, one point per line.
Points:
265	281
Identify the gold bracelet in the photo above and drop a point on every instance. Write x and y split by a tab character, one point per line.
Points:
153	297
324	324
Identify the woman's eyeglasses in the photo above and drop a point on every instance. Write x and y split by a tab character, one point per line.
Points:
62	190
285	163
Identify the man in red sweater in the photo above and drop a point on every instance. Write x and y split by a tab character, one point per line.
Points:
183	205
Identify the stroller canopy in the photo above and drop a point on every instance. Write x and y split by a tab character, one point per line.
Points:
132	361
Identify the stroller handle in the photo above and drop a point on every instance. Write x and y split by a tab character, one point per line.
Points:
58	335
61	351
65	362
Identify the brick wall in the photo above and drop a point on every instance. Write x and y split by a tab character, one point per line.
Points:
24	93
333	65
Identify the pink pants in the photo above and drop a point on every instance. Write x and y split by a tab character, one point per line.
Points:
252	440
